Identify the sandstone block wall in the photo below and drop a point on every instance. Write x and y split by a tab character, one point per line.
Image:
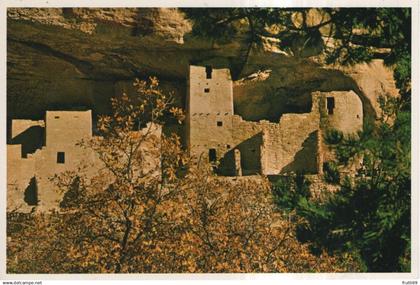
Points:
224	133
210	95
19	173
292	145
20	126
28	134
64	129
347	112
214	133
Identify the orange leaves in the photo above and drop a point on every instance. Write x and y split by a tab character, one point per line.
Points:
177	113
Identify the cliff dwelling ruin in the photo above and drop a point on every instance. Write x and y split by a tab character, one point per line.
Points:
241	147
42	149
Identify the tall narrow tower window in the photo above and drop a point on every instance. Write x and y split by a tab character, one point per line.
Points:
209	70
330	105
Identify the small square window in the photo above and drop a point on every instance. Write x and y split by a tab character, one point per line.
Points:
206	90
228	146
219	123
61	157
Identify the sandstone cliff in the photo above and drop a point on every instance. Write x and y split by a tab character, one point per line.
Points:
61	58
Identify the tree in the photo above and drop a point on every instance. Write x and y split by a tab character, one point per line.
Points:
175	216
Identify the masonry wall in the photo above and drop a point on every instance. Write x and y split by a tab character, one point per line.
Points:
218	99
224	133
265	147
20	126
19	173
205	109
43	164
292	145
29	134
63	129
347	114
66	128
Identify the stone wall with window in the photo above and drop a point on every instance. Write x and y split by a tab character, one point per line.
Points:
214	132
343	111
29	176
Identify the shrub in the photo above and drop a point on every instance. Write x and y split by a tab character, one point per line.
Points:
331	173
333	136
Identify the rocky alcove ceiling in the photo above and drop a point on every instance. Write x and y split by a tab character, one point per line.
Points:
64	58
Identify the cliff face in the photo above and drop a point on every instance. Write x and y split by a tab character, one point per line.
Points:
61	58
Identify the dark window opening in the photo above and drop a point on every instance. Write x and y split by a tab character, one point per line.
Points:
228	146
56	117
330	105
31	193
60	157
219	123
209	70
212	155
206	90
358	116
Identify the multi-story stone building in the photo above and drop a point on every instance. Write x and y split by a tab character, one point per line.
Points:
244	147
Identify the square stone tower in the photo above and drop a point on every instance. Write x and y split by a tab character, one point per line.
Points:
209	111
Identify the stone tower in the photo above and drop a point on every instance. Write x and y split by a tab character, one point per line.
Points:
209	111
210	90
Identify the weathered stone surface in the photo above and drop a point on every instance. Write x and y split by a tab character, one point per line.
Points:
343	111
373	80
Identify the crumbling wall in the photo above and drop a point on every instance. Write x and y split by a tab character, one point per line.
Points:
223	133
29	134
268	148
213	131
20	126
19	173
292	145
247	137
